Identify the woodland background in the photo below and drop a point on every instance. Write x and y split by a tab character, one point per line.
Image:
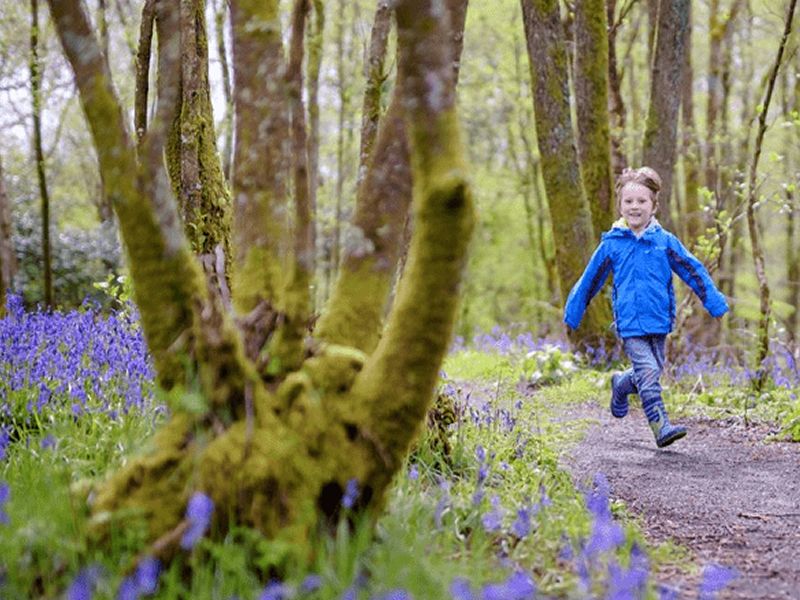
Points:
511	278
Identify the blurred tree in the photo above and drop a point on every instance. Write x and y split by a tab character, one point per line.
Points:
8	262
274	446
38	151
666	83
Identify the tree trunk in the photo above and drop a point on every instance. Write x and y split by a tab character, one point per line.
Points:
8	260
660	136
261	155
792	102
220	12
278	457
691	154
192	159
616	106
569	213
38	152
375	77
591	99
762	334
315	43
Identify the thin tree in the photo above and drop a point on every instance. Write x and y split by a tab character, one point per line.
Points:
38	152
661	129
8	261
274	449
762	333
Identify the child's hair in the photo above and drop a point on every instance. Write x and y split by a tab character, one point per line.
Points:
643	176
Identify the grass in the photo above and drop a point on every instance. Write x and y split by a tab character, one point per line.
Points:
496	505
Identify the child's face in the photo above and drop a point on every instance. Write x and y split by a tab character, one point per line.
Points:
636	204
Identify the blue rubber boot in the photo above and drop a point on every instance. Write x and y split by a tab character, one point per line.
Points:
664	431
619	394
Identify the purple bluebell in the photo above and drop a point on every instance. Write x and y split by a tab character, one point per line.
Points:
521	526
715	578
667	593
311	583
5	494
350	494
413	473
276	590
460	589
519	586
198	512
48	442
492	521
82	587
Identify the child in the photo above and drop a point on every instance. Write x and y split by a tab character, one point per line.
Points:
642	257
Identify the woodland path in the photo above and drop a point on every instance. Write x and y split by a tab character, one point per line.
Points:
722	492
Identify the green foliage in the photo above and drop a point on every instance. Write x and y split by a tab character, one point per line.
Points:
445	518
547	366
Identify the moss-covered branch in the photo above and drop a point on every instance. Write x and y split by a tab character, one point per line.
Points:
396	384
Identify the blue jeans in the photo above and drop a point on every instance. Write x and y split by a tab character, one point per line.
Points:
646	354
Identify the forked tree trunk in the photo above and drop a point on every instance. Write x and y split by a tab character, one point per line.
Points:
660	137
276	453
573	236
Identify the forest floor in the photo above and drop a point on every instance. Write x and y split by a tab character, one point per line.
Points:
724	493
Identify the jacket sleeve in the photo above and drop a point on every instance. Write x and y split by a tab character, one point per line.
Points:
695	275
591	282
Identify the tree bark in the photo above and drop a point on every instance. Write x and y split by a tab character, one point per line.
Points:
142	85
691	151
315	42
660	136
569	213
762	334
38	153
8	260
192	159
278	457
220	11
261	155
375	78
591	99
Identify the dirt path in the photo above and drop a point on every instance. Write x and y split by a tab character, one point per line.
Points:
721	492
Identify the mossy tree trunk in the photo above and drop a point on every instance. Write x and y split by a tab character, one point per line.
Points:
275	450
661	129
573	234
591	99
8	261
691	153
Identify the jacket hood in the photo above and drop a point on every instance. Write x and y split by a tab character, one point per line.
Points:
620	228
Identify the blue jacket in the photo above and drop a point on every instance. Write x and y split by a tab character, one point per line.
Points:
643	297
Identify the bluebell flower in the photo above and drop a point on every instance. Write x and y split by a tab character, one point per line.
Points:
522	524
311	583
198	512
350	494
460	589
82	587
48	442
147	574
275	590
5	494
413	473
715	578
493	520
667	593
